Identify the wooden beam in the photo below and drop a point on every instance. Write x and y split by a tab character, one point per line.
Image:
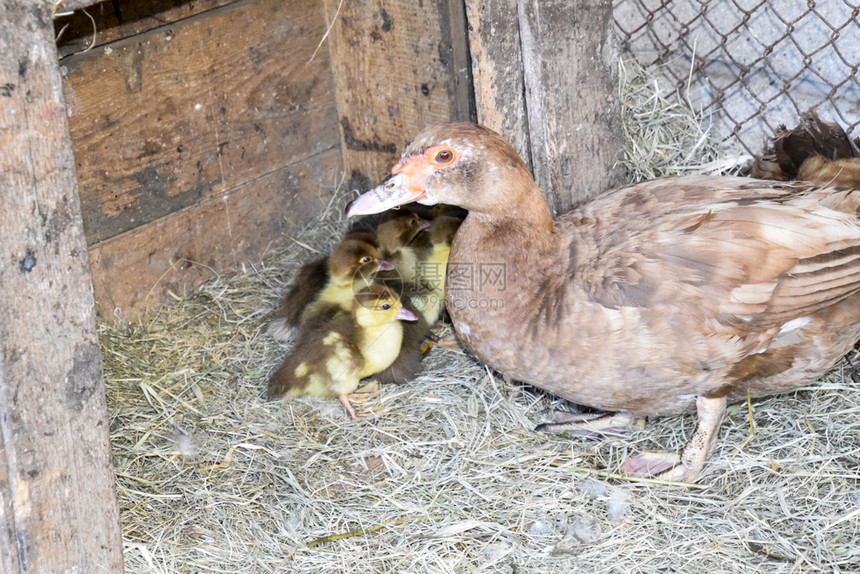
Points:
60	6
145	267
399	65
497	70
58	509
569	54
108	22
186	112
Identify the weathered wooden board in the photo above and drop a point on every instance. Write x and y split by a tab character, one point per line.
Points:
497	70
399	66
569	54
107	22
58	510
185	112
138	270
68	5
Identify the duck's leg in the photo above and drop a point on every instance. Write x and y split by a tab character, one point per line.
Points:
362	395
686	466
350	410
593	424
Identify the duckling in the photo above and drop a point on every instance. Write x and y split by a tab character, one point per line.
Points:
328	280
428	294
400	239
423	292
403	241
333	354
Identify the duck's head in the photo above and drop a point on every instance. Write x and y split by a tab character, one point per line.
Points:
352	258
377	305
397	229
461	164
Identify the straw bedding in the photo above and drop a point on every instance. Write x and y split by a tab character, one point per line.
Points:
451	476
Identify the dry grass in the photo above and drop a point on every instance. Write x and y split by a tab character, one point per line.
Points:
665	134
452	477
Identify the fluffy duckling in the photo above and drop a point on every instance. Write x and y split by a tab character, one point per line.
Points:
403	241
424	294
329	283
400	238
428	295
333	354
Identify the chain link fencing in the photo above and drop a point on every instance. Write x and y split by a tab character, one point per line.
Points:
751	64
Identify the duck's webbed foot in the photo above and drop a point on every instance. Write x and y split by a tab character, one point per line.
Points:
347	406
686	466
362	395
593	425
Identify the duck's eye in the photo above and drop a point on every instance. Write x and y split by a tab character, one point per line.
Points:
366	259
385	306
444	156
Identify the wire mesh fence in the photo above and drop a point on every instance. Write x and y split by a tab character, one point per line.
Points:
753	64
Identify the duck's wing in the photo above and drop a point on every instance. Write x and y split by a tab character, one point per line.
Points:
749	255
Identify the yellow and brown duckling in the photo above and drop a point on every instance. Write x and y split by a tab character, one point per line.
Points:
329	283
401	241
402	238
333	354
428	293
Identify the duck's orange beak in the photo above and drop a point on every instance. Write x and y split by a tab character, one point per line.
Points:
407	184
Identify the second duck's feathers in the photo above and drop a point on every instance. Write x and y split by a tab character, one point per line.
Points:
815	151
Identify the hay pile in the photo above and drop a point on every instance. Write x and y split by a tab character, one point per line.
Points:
452	477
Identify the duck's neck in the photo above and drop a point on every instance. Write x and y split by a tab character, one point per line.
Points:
500	268
524	207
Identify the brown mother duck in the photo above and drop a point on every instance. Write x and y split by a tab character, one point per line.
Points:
668	296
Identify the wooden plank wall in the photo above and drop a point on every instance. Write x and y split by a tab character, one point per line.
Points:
544	77
106	22
58	509
198	144
398	66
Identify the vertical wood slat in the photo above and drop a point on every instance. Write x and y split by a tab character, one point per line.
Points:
551	62
58	509
398	67
497	71
574	118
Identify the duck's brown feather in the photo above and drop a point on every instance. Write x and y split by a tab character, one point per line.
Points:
652	294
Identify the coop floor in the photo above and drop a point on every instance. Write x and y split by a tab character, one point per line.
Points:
451	477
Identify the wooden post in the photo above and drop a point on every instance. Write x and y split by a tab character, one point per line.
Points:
398	66
497	70
552	63
58	508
